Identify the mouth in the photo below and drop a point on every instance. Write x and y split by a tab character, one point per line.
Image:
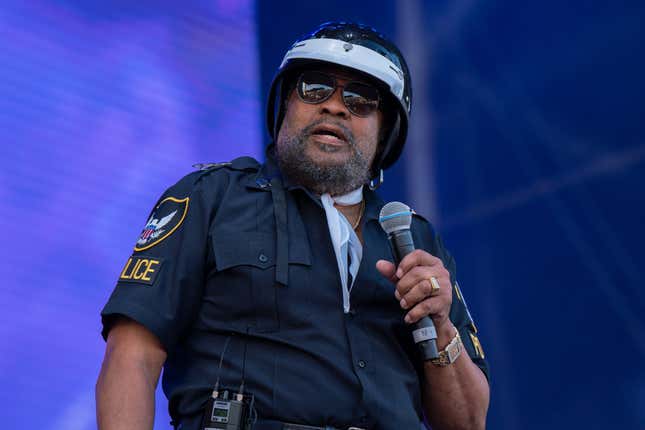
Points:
330	134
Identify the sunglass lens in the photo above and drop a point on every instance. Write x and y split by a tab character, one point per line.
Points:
360	99
315	87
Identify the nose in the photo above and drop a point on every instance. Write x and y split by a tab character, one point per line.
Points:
335	105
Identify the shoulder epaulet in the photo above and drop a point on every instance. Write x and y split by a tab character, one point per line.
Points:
210	166
245	163
420	217
240	163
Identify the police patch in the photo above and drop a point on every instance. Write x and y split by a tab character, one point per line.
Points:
141	269
165	219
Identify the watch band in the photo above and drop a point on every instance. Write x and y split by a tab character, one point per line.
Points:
450	353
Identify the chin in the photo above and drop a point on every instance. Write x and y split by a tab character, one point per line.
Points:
328	154
324	162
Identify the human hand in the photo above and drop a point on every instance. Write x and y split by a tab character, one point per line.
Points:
414	290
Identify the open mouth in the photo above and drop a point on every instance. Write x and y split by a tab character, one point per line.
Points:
330	133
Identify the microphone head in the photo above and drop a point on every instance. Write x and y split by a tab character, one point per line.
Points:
395	216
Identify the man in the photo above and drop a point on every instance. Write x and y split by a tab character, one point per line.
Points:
274	284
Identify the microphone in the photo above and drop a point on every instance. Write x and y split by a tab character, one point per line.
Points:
396	218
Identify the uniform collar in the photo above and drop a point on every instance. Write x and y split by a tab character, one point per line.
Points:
270	170
373	204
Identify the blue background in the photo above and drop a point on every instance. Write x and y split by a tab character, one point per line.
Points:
527	150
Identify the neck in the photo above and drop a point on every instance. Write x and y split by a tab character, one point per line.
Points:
353	213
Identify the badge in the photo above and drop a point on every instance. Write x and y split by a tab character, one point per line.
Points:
461	298
165	219
477	345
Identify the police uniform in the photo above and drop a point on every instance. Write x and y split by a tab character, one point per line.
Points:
236	263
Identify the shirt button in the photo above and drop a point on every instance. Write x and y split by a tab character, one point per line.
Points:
263	258
362	364
263	183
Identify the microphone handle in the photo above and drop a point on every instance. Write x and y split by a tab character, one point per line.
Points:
424	333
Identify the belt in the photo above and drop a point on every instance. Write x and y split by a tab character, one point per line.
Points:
279	425
195	421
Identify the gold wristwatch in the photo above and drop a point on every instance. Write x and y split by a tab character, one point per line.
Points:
450	352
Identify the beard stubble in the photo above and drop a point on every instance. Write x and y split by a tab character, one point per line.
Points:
334	178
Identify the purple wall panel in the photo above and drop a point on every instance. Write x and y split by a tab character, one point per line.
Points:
101	109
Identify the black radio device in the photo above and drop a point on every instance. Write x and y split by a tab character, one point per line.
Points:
228	409
222	412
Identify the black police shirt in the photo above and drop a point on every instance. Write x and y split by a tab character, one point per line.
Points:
234	263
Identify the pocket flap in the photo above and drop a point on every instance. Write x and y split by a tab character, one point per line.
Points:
255	249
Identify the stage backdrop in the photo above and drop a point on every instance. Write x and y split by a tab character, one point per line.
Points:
102	107
527	151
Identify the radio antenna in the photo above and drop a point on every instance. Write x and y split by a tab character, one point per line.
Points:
219	368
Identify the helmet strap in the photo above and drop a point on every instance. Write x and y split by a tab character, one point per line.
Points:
374	186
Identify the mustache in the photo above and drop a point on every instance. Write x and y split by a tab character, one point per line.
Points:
346	131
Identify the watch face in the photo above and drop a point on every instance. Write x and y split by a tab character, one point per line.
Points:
454	349
453	353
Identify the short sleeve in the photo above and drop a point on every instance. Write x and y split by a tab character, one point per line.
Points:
459	312
161	283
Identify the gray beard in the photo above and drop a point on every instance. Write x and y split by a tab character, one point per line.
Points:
335	179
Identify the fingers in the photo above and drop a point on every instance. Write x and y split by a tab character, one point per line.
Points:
423	301
387	269
419	292
418	257
433	307
416	284
423	291
414	289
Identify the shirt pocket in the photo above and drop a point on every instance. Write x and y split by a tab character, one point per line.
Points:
245	289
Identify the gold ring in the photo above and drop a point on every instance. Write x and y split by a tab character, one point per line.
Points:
435	285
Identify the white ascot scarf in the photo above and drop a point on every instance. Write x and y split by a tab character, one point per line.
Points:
347	246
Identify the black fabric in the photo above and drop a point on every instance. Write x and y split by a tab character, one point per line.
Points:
306	361
282	235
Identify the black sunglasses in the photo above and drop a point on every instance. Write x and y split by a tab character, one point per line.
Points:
359	98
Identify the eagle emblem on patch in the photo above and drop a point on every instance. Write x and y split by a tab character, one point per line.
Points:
165	219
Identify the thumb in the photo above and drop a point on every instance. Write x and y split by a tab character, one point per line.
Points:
387	269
